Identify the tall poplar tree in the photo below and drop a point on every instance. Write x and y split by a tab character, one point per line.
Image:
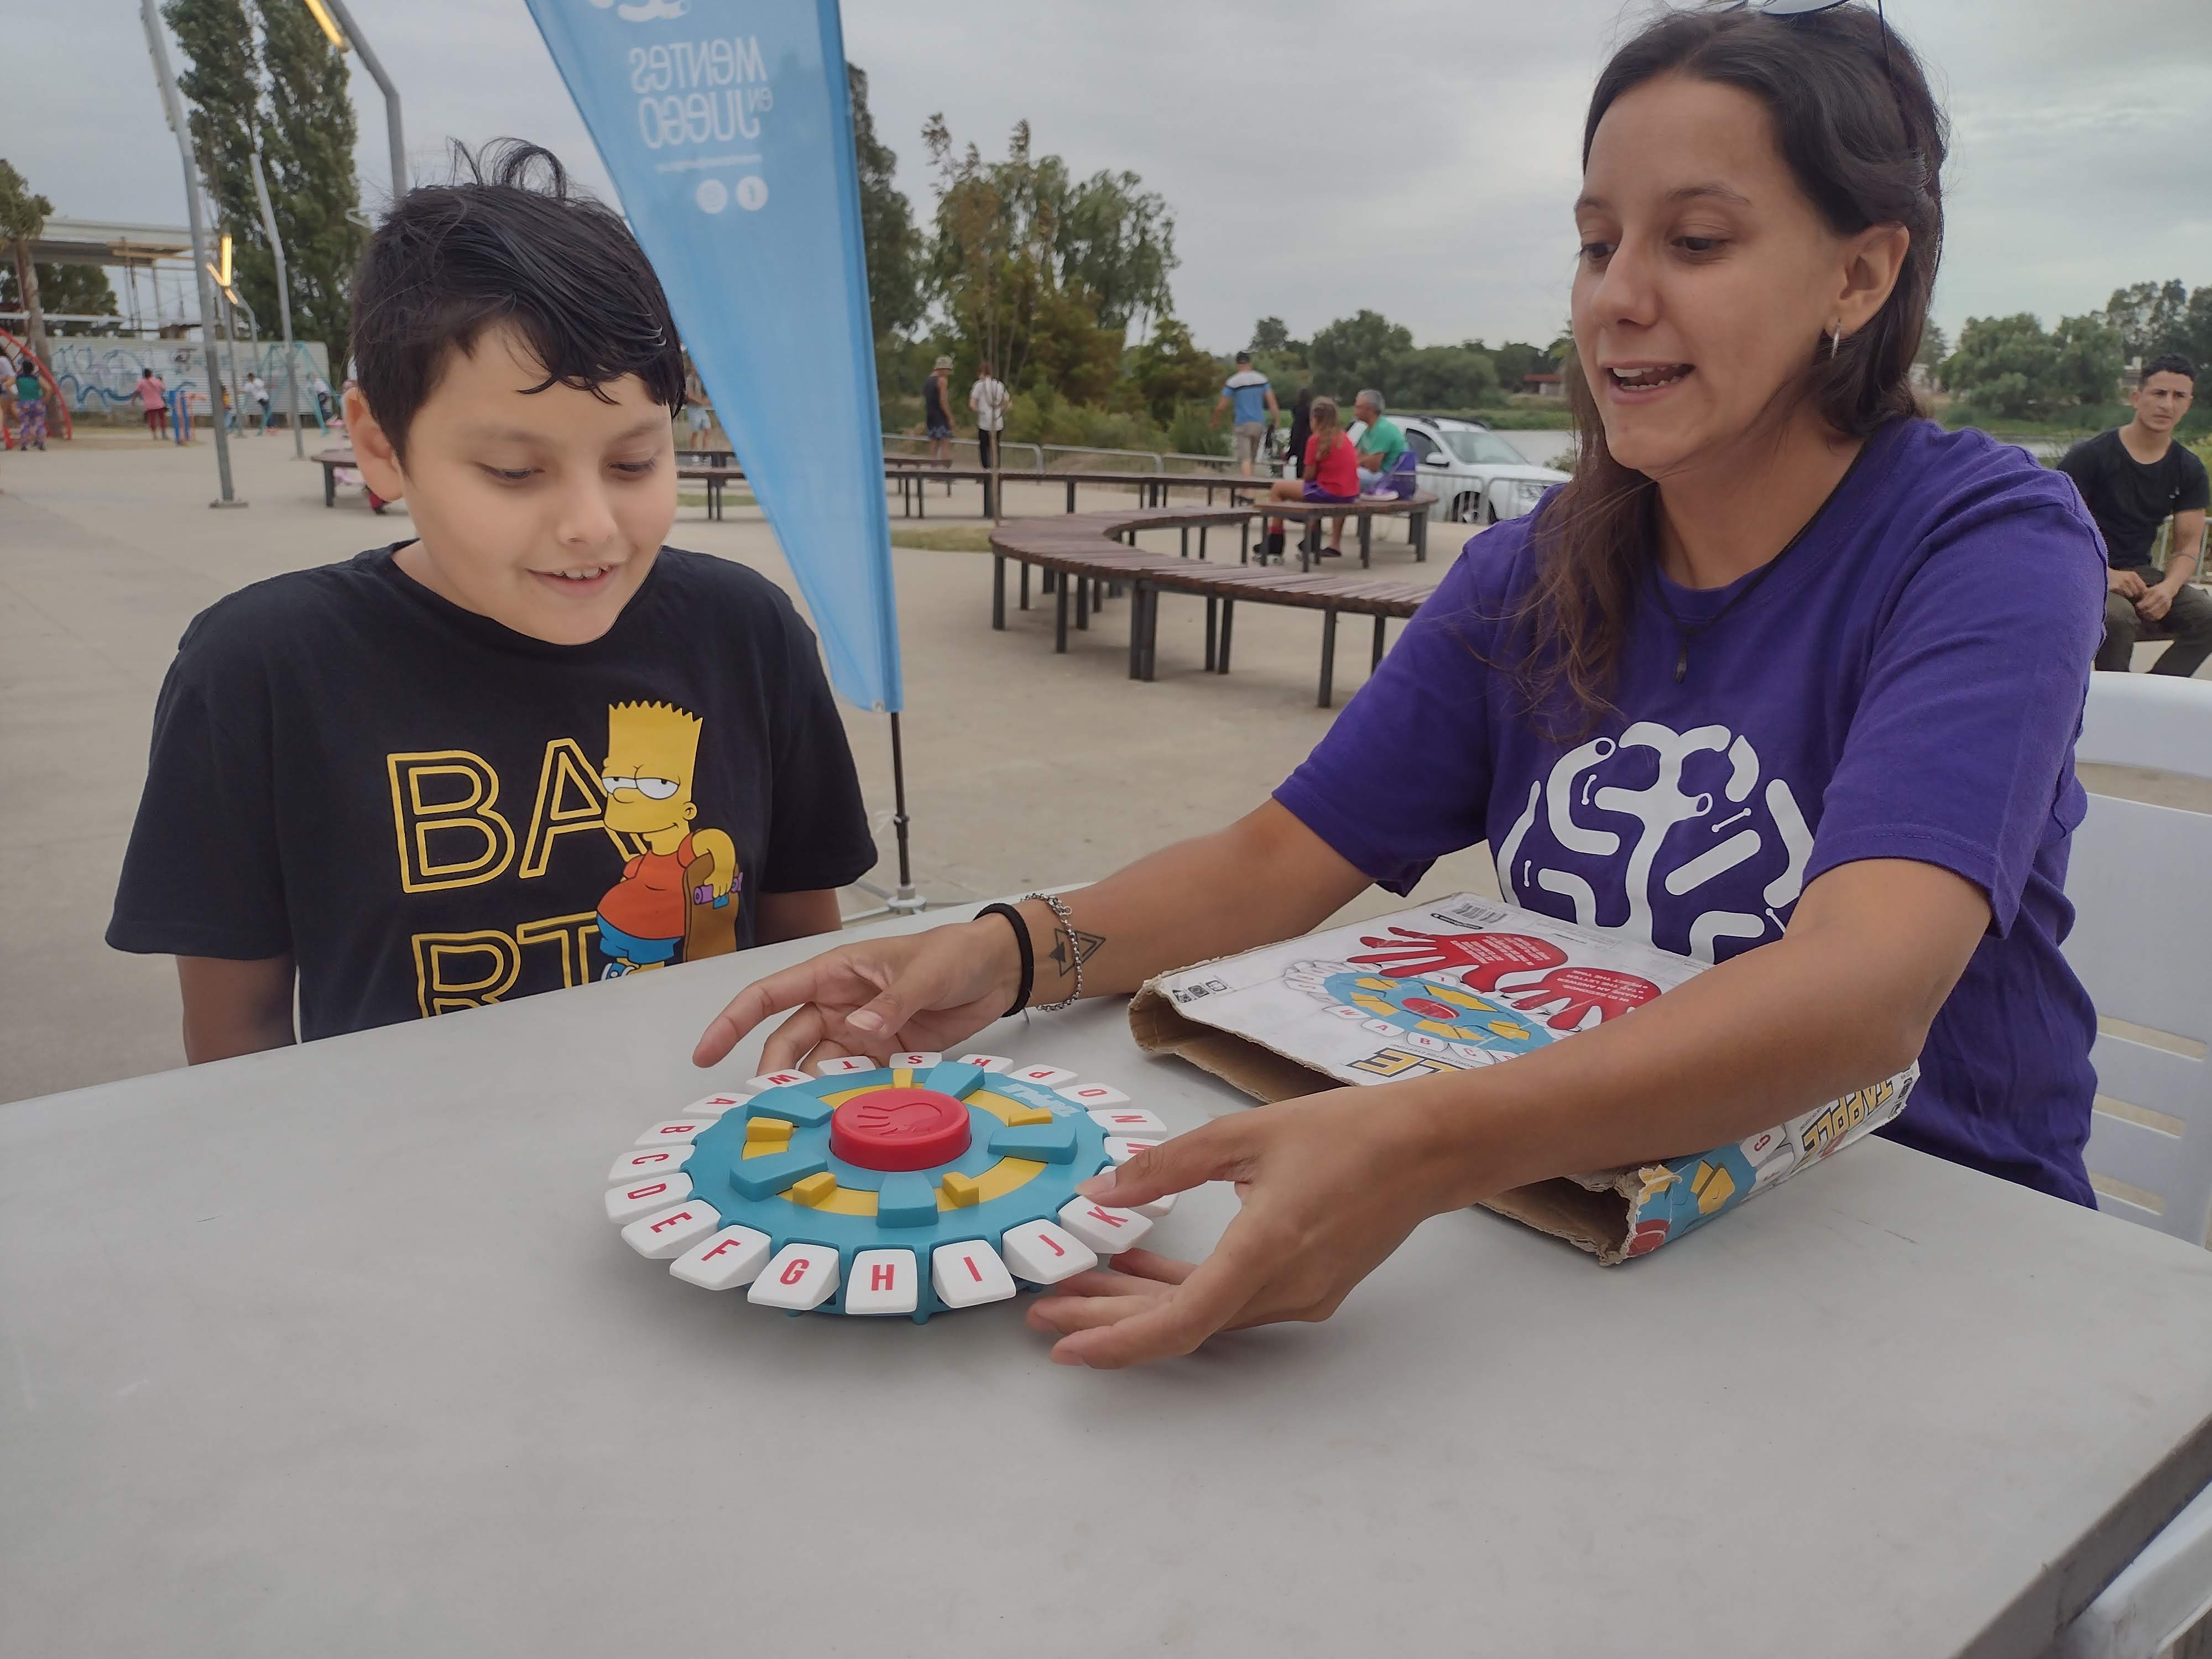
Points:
317	200
221	81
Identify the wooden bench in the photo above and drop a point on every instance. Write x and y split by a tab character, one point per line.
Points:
1152	489
331	460
1083	557
1368	508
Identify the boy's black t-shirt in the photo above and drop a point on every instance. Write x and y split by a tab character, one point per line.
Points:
410	799
2130	500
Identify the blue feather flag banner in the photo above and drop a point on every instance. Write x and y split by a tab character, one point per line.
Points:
728	127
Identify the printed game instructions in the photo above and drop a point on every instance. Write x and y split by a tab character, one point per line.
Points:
1472	981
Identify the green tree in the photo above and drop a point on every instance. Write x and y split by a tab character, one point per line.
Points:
23	215
990	249
1438	377
1934	347
1170	369
2090	354
220	81
1355	351
2149	316
2004	366
307	148
1071	349
1272	334
64	291
887	229
1113	240
1517	359
2194	339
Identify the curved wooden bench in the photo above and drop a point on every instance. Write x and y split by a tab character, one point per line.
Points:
1084	552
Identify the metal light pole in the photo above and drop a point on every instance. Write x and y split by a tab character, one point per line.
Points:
172	106
351	31
283	306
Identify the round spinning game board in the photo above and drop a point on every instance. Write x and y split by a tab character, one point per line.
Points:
927	1184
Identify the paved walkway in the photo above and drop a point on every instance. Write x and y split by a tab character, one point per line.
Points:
1020	763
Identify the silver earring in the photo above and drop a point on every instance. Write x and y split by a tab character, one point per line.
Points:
1835	338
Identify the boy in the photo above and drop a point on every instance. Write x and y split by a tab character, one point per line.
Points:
532	747
2132	479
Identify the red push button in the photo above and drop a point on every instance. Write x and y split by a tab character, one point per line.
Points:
899	1129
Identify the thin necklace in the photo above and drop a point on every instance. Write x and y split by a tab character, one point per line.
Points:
1684	632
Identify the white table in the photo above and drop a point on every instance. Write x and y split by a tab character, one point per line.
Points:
331	1351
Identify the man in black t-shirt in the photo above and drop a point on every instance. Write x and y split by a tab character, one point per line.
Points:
534	747
2133	479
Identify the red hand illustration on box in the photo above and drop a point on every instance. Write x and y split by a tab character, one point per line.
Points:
1487	957
1584	988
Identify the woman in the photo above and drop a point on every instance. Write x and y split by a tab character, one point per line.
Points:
1782	653
1330	472
153	400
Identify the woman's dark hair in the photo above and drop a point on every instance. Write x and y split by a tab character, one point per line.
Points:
1865	140
1304	402
507	241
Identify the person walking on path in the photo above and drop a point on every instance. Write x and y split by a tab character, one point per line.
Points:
153	395
937	411
30	407
256	396
2132	479
989	399
1250	402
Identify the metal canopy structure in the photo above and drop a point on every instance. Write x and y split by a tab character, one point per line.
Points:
99	242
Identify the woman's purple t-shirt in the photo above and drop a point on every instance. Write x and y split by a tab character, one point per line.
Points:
1906	683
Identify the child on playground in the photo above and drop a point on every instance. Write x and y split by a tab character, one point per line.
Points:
532	746
1332	470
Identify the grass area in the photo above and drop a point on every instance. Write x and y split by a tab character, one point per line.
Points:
945	539
729	498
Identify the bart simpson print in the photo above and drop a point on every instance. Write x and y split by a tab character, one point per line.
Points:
652	753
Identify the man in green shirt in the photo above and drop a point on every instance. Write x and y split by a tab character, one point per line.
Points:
1375	438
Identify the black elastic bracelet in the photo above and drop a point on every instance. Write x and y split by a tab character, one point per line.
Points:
1022	942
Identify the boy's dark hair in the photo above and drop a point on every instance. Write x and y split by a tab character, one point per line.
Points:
507	242
2171	362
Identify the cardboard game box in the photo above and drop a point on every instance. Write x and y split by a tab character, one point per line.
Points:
1472	981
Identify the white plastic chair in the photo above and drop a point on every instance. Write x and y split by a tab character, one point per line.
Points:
2141	880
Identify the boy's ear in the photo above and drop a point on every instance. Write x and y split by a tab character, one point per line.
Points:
371	449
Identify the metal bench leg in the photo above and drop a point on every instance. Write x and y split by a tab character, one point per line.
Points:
1137	634
1244	543
1366	529
1185	542
1150	598
1059	620
1202	542
1213	623
922	500
1421	537
1071	495
1328	658
1026	585
1228	617
998	591
1083	603
1375	661
329	486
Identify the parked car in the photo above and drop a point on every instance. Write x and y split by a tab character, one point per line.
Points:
1477	477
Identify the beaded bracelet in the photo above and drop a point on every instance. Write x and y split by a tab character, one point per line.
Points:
1075	951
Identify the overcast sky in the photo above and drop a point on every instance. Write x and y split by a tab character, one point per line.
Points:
1421	160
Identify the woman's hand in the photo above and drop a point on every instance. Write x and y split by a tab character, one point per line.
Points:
1332	1183
927	990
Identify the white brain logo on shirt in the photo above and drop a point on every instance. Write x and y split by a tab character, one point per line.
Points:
1575	809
